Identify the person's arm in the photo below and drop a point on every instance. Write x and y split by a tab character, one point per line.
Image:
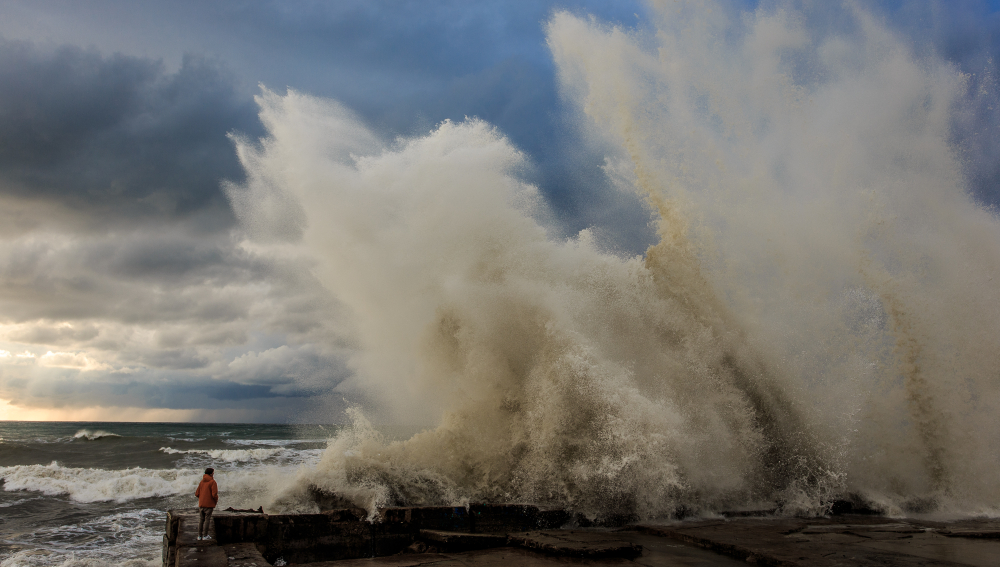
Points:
215	492
197	491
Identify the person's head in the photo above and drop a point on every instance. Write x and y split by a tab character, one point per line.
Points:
210	471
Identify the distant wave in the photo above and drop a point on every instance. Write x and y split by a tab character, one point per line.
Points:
99	485
273	442
282	454
93	435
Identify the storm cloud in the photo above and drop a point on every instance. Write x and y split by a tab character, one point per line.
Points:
115	137
126	280
123	279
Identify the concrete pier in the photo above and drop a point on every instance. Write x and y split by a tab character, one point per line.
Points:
525	535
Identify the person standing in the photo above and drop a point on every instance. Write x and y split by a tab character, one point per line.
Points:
208	497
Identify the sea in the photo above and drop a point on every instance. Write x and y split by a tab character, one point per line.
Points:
79	494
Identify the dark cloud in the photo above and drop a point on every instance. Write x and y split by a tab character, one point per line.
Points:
115	135
63	388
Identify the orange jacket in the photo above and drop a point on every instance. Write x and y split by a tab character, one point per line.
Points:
207	493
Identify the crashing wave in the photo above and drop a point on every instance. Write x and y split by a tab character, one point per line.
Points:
93	435
817	319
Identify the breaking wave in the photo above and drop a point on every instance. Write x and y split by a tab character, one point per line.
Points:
248	455
238	487
93	435
99	485
229	455
817	320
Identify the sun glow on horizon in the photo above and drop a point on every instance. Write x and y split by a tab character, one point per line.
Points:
13	412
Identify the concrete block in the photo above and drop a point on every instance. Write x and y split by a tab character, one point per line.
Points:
552	519
448	518
306	538
244	555
169	552
578	544
345	514
233	527
171	527
451	542
503	518
201	556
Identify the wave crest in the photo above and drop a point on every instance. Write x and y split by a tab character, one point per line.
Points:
93	435
99	485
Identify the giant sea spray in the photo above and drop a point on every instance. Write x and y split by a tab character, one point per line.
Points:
818	317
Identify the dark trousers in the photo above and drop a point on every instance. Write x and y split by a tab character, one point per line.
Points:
204	520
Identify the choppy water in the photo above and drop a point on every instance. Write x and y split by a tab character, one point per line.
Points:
95	493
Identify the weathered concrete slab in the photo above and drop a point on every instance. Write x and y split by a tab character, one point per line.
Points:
664	552
503	518
978	529
244	555
936	547
838	541
447	518
342	537
305	538
187	529
201	556
497	557
574	543
461	541
233	527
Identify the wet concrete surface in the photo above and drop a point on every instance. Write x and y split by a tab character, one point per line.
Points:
860	541
655	551
843	541
822	542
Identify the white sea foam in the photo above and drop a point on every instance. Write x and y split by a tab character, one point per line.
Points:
273	442
278	455
228	455
100	542
99	485
237	487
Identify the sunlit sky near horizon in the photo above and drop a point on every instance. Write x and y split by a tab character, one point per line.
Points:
127	290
